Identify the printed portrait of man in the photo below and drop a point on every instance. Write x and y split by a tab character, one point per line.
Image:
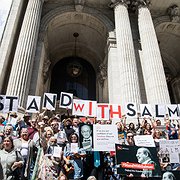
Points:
143	156
86	137
168	176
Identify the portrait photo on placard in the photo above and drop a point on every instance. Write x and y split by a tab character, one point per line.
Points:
86	136
134	161
170	175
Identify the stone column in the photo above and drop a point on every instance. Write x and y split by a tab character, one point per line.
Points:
127	87
152	66
113	69
19	81
9	41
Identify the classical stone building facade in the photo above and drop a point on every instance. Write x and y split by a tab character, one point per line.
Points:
113	51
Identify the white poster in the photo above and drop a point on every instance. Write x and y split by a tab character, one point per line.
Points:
33	104
90	109
74	147
49	101
159	111
172	111
131	110
10	104
57	151
115	111
105	137
79	107
144	140
146	110
66	100
102	111
170	149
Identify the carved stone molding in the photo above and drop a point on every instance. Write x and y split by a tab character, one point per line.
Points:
114	3
174	13
139	3
102	75
79	5
46	66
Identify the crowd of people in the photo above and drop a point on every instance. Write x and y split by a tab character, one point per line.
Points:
21	139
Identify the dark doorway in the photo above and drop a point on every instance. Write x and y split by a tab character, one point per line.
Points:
74	75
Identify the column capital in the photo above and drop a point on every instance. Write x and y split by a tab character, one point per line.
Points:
140	3
79	5
115	3
111	40
174	13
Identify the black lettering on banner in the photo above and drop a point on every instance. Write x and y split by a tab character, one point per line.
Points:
170	111
157	112
47	99
62	100
11	98
33	105
146	112
130	107
1	104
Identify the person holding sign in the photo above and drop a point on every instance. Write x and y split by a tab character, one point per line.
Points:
73	155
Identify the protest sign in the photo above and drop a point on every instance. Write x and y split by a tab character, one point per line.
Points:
159	111
172	111
144	140
105	137
86	136
130	110
115	111
8	103
137	161
170	175
1	129
146	110
33	104
102	111
66	100
169	150
57	151
74	147
49	101
79	107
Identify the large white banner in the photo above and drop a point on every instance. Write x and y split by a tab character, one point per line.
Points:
105	137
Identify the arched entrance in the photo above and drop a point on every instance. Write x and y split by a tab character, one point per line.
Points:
74	75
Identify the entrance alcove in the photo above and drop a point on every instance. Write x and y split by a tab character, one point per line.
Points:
58	51
74	75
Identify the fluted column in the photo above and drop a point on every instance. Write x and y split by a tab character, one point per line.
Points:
8	41
20	76
127	89
152	66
